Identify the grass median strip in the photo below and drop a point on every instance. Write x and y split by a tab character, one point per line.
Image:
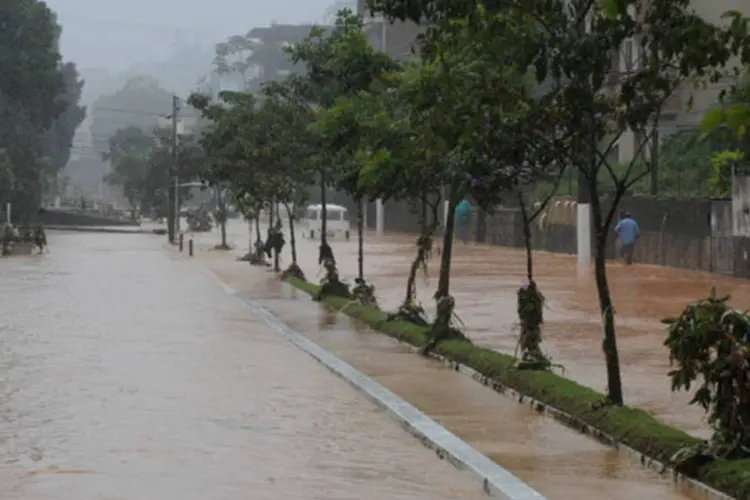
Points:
629	426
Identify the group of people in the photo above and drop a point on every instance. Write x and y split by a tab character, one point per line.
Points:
12	236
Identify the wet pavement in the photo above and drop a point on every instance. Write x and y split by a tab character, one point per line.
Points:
556	461
126	372
485	280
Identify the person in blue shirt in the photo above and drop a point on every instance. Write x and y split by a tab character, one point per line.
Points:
463	214
627	231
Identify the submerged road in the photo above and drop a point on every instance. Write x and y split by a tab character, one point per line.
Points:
127	373
558	462
485	280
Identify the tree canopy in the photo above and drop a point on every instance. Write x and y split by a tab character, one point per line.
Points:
506	95
39	97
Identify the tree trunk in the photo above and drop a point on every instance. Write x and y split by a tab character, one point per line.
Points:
323	212
250	235
526	237
325	250
609	344
412	278
224	232
271	213
170	215
292	239
258	236
360	240
443	288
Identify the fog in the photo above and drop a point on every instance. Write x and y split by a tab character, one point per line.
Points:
114	35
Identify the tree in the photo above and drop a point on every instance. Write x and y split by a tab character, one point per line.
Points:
140	103
142	164
261	149
58	138
30	86
338	65
397	165
341	126
6	179
592	100
128	152
236	57
728	122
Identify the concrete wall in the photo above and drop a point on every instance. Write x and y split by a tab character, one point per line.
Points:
62	218
684	233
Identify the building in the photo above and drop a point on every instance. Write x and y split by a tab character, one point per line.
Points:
399	40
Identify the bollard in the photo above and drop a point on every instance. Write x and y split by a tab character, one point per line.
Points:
182	241
190	247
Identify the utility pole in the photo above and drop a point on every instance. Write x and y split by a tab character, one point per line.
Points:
379	212
174	198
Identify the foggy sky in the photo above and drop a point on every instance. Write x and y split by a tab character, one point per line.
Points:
115	34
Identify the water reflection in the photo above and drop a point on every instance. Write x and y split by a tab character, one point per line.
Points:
126	372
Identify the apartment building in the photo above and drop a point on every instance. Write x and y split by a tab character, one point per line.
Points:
399	40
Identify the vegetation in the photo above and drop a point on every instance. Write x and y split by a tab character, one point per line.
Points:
579	405
506	98
39	96
143	165
708	343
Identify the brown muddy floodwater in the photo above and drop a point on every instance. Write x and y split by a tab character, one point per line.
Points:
127	373
485	280
558	462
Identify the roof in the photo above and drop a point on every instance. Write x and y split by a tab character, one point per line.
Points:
329	206
291	33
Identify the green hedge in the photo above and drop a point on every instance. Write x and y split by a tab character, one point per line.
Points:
630	426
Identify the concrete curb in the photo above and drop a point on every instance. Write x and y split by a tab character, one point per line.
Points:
573	423
496	481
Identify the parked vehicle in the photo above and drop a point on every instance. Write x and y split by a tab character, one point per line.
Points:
337	221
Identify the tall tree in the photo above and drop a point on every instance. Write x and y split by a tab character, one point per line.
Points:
30	85
140	103
57	140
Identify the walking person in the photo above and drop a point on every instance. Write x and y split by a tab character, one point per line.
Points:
463	214
627	230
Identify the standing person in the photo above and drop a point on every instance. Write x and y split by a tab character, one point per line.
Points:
463	214
627	231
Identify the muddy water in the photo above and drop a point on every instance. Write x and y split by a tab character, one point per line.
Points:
127	373
558	462
485	280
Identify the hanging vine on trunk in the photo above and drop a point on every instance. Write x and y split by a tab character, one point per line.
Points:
331	284
447	325
293	271
531	316
411	310
708	344
364	293
530	306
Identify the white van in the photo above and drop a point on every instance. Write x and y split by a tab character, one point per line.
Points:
337	221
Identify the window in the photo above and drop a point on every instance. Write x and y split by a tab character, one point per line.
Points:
312	215
335	215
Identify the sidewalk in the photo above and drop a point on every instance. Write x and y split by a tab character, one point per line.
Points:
557	462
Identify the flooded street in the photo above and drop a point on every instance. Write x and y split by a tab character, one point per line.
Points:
126	372
556	461
485	280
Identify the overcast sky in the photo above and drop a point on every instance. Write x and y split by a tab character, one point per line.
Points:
115	34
